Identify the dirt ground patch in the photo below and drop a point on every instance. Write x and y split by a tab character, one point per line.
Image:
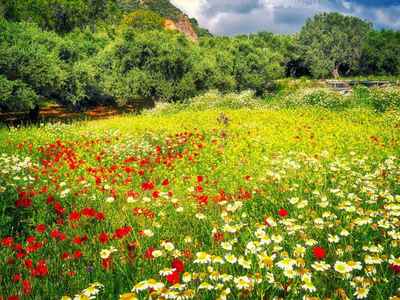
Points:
57	113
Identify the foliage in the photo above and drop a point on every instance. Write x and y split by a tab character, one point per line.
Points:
30	57
161	7
314	97
81	45
143	20
216	100
62	15
384	98
254	65
330	40
87	65
381	52
15	95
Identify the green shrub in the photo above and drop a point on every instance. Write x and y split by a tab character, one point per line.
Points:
317	97
384	98
216	100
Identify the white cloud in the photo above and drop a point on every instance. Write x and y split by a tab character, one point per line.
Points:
230	17
189	7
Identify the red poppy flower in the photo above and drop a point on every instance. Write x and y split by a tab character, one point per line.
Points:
148	185
165	182
28	264
103	238
21	253
74	216
7	241
107	263
41	228
396	269
100	216
90	212
198	189
119	233
30	240
26	202
178	265
13	297
149	253
283	213
65	256
132	246
44	189
319	252
42	262
59	209
55	233
16	277
218	237
41	270
77	254
173	278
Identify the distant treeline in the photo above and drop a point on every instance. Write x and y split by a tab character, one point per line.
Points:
85	53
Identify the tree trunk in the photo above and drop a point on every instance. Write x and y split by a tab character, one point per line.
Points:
335	72
292	72
34	112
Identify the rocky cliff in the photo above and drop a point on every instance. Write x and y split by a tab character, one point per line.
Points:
182	25
175	19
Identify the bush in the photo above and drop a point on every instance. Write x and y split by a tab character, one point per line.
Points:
384	98
216	100
15	95
212	99
317	97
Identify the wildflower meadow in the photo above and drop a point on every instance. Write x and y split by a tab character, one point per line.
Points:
217	204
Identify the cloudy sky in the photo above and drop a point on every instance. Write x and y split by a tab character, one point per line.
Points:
230	17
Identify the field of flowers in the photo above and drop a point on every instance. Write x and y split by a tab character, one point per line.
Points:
256	204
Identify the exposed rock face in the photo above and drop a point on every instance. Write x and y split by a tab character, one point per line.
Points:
169	24
183	25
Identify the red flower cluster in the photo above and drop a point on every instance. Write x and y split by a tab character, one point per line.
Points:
174	277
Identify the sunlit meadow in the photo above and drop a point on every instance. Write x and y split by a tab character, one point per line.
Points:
217	204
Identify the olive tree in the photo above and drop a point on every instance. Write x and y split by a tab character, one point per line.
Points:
331	40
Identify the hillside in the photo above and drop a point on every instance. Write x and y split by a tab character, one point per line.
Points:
175	19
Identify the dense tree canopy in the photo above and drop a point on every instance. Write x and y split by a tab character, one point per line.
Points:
31	70
83	52
330	40
381	52
62	15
